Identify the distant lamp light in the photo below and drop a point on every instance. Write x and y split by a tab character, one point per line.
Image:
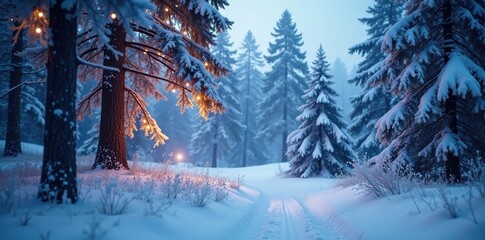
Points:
40	14
174	90
144	121
206	64
198	97
185	33
187	84
113	15
179	157
166	9
38	30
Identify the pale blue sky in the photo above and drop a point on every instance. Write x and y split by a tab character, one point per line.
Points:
332	23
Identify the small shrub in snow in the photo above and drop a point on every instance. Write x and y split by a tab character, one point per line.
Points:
95	231
45	236
171	186
198	193
468	199
476	174
112	200
198	189
25	218
8	195
237	182
379	178
448	200
155	208
220	190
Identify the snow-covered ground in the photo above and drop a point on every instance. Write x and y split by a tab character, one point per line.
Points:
266	206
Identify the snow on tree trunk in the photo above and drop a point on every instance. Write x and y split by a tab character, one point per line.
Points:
58	178
111	152
12	139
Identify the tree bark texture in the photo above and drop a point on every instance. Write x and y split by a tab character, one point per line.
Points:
58	178
111	153
12	139
452	169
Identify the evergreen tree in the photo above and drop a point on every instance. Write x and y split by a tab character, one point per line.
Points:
250	84
440	79
284	84
222	131
134	71
373	101
321	141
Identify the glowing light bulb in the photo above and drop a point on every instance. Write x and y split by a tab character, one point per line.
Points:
38	30
198	97
206	64
187	84
185	33
166	9
147	127
174	90
159	53
179	156
144	121
113	15
40	14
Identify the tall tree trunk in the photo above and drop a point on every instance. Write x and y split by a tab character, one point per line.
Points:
214	144
284	134
452	169
111	153
246	114
12	140
58	179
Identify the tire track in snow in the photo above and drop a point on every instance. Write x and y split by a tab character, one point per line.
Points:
286	218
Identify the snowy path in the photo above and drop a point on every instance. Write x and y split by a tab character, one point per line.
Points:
285	216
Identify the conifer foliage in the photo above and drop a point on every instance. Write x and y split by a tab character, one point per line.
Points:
284	84
221	131
440	79
250	82
320	142
373	101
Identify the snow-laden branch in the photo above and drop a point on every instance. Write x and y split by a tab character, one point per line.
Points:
95	65
21	84
156	77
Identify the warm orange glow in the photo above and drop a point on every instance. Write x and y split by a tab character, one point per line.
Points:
38	30
147	127
206	64
174	90
185	33
159	53
144	121
40	14
113	16
166	9
198	97
187	84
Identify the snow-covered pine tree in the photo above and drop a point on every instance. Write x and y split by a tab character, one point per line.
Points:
170	46
223	132
284	84
441	80
373	101
321	142
250	78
